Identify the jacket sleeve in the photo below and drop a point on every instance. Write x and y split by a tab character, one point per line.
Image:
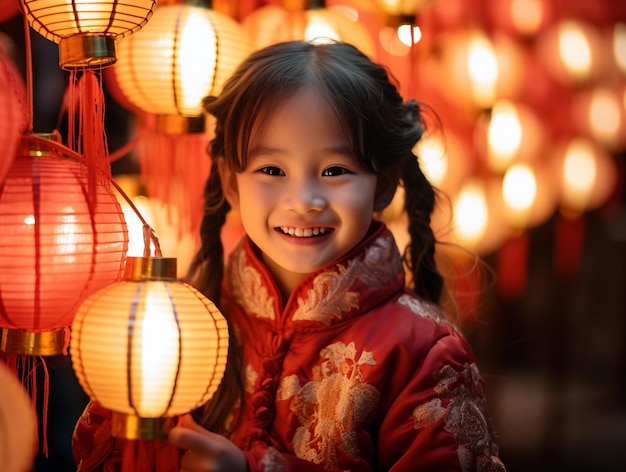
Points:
439	421
95	450
92	444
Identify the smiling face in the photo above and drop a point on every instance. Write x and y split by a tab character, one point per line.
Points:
303	198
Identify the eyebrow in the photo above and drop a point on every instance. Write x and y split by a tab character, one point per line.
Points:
343	149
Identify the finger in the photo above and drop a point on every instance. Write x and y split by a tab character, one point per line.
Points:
192	439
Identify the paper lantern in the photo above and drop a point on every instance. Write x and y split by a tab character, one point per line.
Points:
56	246
148	348
13	112
184	54
272	24
86	30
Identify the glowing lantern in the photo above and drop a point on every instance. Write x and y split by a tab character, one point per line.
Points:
587	175
148	348
185	53
573	52
272	24
600	115
513	133
87	30
13	114
528	195
522	17
473	68
56	246
619	46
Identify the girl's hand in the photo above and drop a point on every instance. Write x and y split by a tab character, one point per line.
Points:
206	451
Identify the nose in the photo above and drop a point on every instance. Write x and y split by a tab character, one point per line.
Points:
304	196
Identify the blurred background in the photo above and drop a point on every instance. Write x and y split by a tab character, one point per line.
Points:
527	146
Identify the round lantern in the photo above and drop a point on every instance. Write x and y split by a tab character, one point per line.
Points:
148	348
56	246
87	30
185	53
272	24
13	114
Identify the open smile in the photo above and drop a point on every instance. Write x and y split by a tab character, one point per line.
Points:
304	232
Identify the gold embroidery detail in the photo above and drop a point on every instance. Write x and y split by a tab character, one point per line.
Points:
330	296
248	289
466	418
425	310
332	405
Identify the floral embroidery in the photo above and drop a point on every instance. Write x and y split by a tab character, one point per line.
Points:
466	417
255	298
332	405
428	413
424	309
330	295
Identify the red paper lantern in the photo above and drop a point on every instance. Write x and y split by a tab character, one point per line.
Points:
13	113
56	245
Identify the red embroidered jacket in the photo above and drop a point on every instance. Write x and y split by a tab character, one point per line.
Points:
354	373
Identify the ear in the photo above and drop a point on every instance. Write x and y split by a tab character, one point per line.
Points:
229	184
385	190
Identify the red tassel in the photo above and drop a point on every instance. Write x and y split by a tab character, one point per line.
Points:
512	266
149	456
175	169
91	141
569	238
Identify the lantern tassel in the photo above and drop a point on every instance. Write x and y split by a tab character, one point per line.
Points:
149	455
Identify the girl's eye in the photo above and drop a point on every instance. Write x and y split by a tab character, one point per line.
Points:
272	170
335	171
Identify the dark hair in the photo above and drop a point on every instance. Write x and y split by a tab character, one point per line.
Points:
383	130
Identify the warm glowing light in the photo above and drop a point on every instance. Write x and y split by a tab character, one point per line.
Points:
483	69
527	15
409	34
183	54
158	339
579	173
320	31
519	187
604	116
470	213
149	346
504	135
619	45
574	49
433	159
402	7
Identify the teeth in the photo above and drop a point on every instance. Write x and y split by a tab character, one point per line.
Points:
303	232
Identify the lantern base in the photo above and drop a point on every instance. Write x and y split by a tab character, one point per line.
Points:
87	51
176	125
45	343
135	427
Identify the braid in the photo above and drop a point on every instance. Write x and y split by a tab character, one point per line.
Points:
207	267
419	255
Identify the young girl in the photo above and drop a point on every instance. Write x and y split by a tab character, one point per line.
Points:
335	364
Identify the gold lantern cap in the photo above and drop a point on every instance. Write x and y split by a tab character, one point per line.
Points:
150	268
87	51
135	427
41	343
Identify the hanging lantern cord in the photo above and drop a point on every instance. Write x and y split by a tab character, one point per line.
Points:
149	235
